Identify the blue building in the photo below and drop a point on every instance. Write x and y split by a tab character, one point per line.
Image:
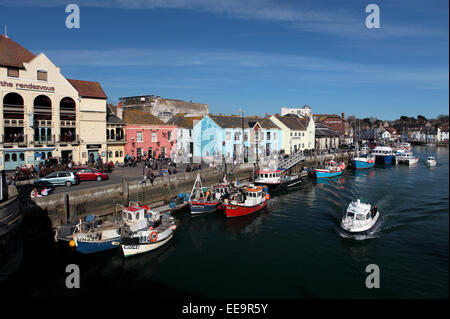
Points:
236	138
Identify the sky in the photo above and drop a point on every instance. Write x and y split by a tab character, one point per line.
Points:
255	55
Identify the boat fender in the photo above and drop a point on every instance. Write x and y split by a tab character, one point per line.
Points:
267	196
153	236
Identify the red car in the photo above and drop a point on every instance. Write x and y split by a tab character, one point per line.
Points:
91	174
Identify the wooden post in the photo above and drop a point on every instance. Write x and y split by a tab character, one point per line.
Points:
66	218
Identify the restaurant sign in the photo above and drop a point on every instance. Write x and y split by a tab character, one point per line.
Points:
31	87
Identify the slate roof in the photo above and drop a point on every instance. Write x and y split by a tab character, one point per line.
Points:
13	54
184	120
325	131
236	122
140	117
88	89
294	122
111	117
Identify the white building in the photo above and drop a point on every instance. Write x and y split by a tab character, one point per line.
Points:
185	136
386	136
300	111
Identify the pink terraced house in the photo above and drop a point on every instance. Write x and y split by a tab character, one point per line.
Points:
147	135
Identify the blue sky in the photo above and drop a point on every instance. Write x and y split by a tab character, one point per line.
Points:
258	55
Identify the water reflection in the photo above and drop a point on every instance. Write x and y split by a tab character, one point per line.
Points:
247	225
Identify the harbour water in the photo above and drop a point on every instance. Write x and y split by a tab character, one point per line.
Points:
292	249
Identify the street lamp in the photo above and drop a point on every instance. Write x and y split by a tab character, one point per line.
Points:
243	146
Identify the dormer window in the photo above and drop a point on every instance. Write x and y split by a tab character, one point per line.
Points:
42	75
13	72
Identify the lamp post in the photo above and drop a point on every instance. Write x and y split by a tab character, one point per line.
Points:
243	146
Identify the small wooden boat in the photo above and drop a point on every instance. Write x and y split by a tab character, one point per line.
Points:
245	201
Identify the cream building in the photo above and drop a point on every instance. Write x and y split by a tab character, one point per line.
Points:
297	132
44	115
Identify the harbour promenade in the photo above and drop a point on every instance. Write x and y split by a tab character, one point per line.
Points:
128	184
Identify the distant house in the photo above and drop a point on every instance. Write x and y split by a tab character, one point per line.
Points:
386	135
236	138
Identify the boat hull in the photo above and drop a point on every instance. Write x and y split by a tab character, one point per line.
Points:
361	229
388	159
356	164
327	174
203	208
231	210
87	247
129	251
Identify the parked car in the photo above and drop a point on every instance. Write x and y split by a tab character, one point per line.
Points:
91	174
67	178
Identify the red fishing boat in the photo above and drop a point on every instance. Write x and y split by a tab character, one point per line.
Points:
245	201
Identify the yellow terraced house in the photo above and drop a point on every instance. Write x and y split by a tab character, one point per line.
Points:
43	114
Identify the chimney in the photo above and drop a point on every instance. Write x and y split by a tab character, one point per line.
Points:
120	111
343	115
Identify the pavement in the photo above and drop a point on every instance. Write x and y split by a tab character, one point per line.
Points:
115	177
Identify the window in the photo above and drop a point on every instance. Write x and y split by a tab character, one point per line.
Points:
268	136
154	137
228	136
42	75
117	153
169	135
245	136
121	153
139	137
237	136
359	217
7	158
275	135
257	136
13	73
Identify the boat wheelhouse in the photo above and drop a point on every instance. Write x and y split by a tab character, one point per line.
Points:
383	154
275	179
245	201
359	217
431	161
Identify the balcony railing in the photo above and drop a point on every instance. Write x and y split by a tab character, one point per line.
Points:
13	122
42	123
47	140
68	123
14	140
117	140
65	139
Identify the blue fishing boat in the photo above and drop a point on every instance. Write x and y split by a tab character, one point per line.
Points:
330	169
363	162
95	235
383	154
203	200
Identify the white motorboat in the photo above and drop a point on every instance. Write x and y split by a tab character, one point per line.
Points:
406	157
431	161
359	218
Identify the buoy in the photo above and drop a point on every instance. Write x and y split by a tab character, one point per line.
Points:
267	196
153	236
72	243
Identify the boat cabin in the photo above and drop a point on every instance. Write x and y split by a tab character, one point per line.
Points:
221	190
253	195
269	176
383	151
138	217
